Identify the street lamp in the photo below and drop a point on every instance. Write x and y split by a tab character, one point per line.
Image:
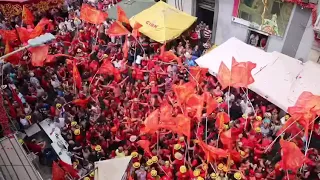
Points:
37	41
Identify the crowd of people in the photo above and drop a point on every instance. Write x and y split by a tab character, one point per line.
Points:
111	120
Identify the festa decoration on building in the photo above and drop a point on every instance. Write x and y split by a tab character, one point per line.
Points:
14	8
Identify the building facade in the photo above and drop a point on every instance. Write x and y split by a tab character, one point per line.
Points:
274	26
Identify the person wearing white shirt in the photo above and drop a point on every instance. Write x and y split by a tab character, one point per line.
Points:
24	121
139	59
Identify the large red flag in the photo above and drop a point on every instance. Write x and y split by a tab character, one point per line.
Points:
292	157
81	102
241	73
212	152
92	15
122	17
69	169
183	91
8	35
125	48
39	55
106	68
76	76
24	34
27	16
306	102
195	102
221	119
151	123
39	29
224	76
117	29
13	59
145	145
57	172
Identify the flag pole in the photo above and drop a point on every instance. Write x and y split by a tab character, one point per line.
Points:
207	130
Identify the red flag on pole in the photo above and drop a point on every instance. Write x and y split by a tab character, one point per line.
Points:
145	145
13	59
122	17
39	29
69	169
39	55
76	76
81	102
8	35
224	76
92	15
241	73
125	48
24	34
27	16
117	29
151	123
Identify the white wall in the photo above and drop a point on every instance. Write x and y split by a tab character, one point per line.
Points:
306	42
186	5
227	29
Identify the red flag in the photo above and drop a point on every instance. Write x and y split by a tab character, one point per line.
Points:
16	98
135	29
241	73
122	17
168	56
13	59
92	15
57	172
81	102
125	48
39	29
27	16
24	34
93	66
8	35
151	123
221	119
76	76
166	112
290	122
68	168
39	55
307	102
117	29
211	103
195	102
183	125
183	91
212	152
145	145
224	76
226	139
106	68
52	58
292	157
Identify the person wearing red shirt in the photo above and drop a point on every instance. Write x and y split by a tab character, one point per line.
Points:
183	174
152	175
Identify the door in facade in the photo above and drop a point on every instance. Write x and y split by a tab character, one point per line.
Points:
205	12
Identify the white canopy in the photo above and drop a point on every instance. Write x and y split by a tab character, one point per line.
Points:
278	78
112	169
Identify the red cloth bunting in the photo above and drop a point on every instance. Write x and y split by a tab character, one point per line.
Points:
69	169
57	172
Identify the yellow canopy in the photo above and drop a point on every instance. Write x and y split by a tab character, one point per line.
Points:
162	22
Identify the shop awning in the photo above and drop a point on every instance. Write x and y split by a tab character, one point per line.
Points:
130	7
162	22
112	169
278	78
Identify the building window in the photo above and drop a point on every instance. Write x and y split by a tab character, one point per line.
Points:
270	16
